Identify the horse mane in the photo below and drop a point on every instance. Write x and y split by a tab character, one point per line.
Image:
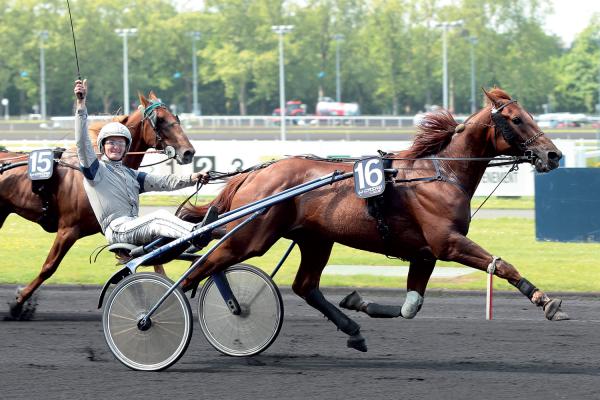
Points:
434	133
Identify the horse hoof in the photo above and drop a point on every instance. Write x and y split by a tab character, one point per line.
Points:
15	309
357	342
412	304
553	312
352	301
560	316
23	311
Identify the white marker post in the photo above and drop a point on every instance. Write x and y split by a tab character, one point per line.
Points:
489	303
489	297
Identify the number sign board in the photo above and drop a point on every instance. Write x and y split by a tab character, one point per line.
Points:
41	163
369	178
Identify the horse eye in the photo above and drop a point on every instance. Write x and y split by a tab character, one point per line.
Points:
517	121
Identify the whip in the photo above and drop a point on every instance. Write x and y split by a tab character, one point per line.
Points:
74	43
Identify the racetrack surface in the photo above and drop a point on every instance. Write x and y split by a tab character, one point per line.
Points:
449	351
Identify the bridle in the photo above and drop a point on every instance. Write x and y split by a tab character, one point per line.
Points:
507	132
149	114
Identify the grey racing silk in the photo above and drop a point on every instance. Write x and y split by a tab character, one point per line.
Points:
112	188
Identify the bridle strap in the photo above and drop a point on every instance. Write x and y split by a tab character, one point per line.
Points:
149	113
499	109
511	140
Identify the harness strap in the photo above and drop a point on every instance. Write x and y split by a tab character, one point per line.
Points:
438	177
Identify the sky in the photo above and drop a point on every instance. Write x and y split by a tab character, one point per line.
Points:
570	17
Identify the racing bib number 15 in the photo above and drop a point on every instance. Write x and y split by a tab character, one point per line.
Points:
41	164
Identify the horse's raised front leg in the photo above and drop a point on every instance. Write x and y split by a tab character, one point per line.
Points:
314	255
418	276
160	269
65	238
458	248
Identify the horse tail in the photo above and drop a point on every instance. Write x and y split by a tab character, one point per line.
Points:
223	201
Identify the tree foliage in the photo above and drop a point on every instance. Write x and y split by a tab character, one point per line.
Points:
390	54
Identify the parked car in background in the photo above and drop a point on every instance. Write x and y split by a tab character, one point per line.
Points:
294	108
561	120
330	108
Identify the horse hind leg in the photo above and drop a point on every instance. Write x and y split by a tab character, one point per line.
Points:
314	256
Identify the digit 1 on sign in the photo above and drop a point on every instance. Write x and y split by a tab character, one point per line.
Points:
358	169
369	179
374	175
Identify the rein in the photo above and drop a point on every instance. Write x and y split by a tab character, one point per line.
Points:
515	167
502	160
215	175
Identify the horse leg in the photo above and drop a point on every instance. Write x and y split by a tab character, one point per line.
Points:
419	272
314	255
3	216
65	238
456	247
418	276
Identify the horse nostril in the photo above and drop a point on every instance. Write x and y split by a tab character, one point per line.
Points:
554	156
188	156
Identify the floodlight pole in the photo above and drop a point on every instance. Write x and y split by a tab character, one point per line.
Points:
338	87
195	36
124	33
282	30
445	26
43	38
473	41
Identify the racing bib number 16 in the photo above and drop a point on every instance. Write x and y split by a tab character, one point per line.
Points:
41	164
369	178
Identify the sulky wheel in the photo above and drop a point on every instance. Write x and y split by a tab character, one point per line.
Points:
259	322
156	345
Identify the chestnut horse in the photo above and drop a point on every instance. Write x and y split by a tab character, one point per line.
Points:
427	220
69	213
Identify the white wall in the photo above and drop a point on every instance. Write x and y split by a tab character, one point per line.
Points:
226	156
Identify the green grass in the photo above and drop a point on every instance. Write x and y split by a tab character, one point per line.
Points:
551	266
171	201
521	203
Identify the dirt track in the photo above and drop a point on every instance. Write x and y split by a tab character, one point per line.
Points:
448	352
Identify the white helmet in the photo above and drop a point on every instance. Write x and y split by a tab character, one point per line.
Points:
113	129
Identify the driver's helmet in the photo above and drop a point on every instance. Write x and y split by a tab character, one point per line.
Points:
113	129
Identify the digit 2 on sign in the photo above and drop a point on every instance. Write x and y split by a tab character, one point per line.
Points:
369	178
204	163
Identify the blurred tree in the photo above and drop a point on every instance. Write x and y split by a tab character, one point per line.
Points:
391	59
579	70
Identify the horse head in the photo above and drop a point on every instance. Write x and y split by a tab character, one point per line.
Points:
516	133
163	130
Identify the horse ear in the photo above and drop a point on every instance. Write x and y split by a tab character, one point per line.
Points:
143	100
122	119
152	95
490	97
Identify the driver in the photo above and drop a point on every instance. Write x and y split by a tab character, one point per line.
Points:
113	189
